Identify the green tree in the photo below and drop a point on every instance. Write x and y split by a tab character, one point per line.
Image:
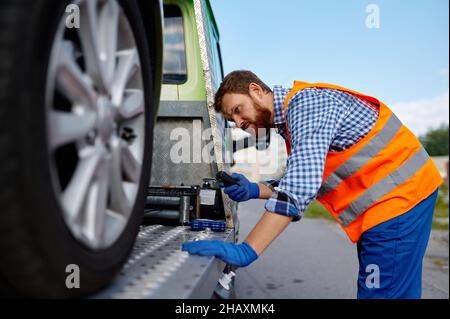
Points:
435	141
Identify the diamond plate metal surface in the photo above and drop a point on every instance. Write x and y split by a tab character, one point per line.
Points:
157	268
164	170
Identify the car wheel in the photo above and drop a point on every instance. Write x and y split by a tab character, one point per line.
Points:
76	119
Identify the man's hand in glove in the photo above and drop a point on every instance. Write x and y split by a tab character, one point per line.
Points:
239	255
243	190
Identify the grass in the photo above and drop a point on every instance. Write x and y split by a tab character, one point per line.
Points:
441	210
316	210
439	226
440	263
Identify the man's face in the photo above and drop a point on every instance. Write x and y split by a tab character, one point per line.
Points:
246	112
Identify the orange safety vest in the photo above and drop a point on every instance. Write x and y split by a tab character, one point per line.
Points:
382	176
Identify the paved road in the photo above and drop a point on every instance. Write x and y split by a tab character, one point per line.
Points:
313	259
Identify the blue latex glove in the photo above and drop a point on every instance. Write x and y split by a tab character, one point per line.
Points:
243	191
239	255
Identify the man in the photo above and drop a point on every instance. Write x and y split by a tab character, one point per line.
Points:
350	152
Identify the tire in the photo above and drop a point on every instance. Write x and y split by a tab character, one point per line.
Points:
37	241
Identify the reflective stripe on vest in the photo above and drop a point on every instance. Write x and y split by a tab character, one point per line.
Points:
363	156
384	186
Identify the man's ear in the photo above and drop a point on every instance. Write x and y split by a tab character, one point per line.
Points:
255	90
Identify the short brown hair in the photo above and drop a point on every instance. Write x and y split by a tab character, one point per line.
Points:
237	82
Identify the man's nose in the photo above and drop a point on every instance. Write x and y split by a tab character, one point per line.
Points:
238	122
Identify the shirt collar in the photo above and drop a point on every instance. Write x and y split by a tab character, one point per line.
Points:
279	95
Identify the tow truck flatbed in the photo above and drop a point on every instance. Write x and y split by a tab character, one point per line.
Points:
158	269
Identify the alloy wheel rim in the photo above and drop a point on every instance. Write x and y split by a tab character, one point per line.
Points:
96	122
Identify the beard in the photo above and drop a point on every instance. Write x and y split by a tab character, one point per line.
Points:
263	121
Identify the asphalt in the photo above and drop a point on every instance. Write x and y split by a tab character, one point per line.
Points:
313	259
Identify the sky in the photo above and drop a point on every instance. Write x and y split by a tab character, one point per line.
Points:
395	50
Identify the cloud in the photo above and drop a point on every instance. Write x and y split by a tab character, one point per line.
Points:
444	72
419	116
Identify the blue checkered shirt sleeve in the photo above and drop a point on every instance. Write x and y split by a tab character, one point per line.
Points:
318	120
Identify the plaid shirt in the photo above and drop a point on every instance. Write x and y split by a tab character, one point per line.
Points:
319	121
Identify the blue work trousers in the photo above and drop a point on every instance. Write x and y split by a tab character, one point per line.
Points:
391	253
